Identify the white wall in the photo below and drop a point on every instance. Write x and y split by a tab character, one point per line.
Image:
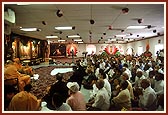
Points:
134	45
81	49
152	43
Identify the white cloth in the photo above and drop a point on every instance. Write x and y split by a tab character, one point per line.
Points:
148	99
102	100
94	91
97	72
107	86
128	73
159	87
138	81
102	65
146	73
73	86
110	73
60	70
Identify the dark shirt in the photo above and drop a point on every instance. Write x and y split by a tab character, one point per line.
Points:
59	87
88	83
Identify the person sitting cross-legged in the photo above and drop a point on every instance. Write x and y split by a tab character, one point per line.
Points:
25	101
101	102
76	99
57	103
123	99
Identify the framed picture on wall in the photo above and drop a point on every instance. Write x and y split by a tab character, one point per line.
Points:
57	49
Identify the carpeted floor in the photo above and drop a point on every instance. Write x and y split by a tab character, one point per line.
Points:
45	80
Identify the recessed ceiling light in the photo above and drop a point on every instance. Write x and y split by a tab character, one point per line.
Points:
77	40
51	36
120	35
61	40
74	36
80	42
136	27
110	39
63	28
29	29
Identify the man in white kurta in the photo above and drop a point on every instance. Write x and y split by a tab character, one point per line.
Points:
148	98
102	100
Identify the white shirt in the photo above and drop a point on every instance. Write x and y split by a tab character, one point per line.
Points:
102	100
148	99
128	73
97	72
138	81
107	86
159	87
102	65
110	73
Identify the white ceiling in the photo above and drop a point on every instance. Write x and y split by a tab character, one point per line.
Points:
79	15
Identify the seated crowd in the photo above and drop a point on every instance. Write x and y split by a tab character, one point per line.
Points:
117	83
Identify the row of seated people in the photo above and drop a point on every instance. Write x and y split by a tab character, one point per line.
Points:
64	95
112	83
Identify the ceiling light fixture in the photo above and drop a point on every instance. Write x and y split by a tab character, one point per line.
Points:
29	29
51	36
60	32
78	40
136	27
110	27
44	23
154	31
91	20
73	36
61	40
140	21
149	26
120	36
38	29
59	13
63	28
73	27
125	10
